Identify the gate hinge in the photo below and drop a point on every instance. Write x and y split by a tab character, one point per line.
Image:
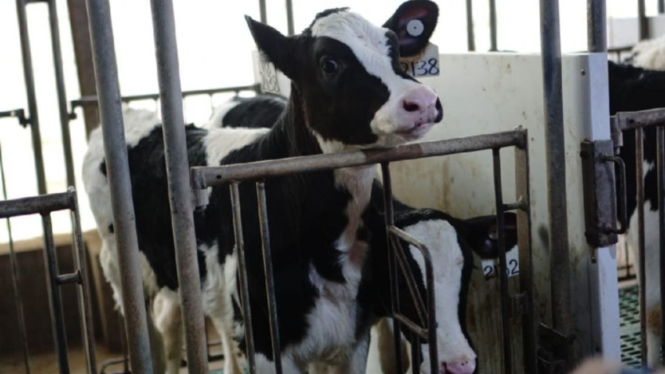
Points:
553	350
600	193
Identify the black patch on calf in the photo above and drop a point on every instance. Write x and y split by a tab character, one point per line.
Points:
111	228
260	111
326	13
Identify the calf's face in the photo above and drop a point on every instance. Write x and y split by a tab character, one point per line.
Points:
348	77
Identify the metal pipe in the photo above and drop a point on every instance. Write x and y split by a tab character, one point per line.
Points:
32	96
597	26
36	204
642	21
493	30
115	151
660	165
661	6
242	276
470	33
556	169
203	177
270	279
263	12
631	120
16	277
639	178
180	193
289	17
55	303
62	93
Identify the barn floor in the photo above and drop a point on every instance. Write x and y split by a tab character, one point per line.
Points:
629	309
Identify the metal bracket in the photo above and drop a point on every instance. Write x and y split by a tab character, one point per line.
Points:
600	197
19	114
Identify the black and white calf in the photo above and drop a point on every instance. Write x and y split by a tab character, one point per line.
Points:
348	92
649	54
633	89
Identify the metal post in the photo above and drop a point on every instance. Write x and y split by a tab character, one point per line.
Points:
62	94
180	194
470	35
493	37
115	150
32	98
660	165
643	22
597	26
289	17
639	161
560	268
661	6
263	11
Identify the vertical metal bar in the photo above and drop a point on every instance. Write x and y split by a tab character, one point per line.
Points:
263	12
529	321
55	303
392	264
597	26
660	165
415	353
62	93
32	96
84	298
493	30
242	274
431	313
180	193
556	169
642	21
16	277
639	178
289	16
470	33
503	276
270	280
661	6
122	202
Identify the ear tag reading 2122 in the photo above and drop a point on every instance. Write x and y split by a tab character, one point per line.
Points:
425	66
491	266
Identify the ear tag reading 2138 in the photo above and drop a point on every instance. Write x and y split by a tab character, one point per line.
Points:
426	65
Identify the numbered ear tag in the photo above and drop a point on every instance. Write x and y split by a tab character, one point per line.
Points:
491	267
265	73
428	64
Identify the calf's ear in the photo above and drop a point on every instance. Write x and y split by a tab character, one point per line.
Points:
483	235
413	22
275	47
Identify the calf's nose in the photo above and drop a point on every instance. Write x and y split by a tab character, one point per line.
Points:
422	105
462	367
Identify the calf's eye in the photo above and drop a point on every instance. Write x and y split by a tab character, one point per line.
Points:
329	66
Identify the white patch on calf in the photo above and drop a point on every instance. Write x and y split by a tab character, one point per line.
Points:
217	116
447	262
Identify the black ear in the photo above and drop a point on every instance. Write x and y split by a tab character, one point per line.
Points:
413	22
277	48
483	236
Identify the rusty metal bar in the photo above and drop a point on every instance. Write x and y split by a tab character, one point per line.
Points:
37	204
402	261
639	177
660	167
180	193
631	120
115	151
242	275
203	177
16	277
270	279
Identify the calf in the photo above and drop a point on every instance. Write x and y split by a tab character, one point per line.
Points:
649	54
632	89
348	92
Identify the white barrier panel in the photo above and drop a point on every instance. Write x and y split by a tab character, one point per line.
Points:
623	32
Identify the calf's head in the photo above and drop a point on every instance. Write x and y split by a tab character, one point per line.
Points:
347	79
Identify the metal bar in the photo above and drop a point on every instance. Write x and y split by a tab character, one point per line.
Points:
470	32
270	279
639	178
115	151
242	275
597	26
203	177
16	277
661	6
55	303
493	30
556	170
84	298
505	297
37	204
62	93
180	193
412	326
263	12
69	278
526	279
408	276
660	167
289	17
392	266
630	120
32	96
415	354
643	22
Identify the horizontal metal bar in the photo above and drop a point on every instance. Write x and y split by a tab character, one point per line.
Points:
70	278
411	325
86	100
12	113
42	204
642	118
203	177
517	205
